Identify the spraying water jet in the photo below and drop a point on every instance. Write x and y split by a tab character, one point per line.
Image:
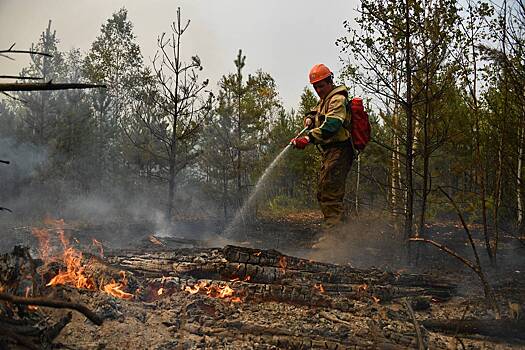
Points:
241	213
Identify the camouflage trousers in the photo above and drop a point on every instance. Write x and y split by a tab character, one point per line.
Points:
336	163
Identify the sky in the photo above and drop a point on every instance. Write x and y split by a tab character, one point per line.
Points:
282	37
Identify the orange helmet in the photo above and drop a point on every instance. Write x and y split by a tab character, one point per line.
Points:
318	73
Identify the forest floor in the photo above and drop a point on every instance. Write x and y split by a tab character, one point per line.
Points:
182	320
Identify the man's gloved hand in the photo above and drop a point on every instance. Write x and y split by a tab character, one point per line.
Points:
300	142
308	122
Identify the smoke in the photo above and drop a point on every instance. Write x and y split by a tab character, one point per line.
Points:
34	187
365	241
24	159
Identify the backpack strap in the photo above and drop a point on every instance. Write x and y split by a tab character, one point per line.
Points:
332	93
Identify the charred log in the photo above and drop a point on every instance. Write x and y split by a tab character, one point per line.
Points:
278	337
269	267
493	328
18	271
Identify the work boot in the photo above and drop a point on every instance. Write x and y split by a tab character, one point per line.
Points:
330	235
320	242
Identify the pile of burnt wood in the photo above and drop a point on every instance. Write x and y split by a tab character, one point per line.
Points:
235	274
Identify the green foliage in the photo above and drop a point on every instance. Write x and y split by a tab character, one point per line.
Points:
467	136
115	58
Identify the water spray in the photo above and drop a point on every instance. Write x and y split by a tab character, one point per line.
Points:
239	216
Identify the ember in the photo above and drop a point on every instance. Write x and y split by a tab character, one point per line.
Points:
282	263
214	291
319	287
362	287
27	294
154	240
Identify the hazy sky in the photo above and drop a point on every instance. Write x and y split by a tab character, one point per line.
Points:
281	37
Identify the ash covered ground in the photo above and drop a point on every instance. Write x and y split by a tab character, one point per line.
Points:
179	319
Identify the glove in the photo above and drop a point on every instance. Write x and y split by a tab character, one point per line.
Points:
308	122
300	142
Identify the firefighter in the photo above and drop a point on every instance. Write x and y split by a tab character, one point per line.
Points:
328	132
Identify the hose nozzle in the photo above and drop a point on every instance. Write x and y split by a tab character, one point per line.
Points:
299	134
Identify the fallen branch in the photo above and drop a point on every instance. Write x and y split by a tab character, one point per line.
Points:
448	251
31	52
19	77
46	86
59	304
420	343
487	289
333	318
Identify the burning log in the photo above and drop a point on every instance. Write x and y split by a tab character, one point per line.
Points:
244	291
21	320
72	267
276	271
18	272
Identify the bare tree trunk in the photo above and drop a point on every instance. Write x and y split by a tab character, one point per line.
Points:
409	132
175	115
479	160
519	184
239	129
499	170
394	169
425	151
395	160
224	193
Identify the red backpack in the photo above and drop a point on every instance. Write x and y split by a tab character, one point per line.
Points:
359	125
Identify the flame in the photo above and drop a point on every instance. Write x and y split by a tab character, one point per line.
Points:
115	288
154	240
225	292
30	307
362	287
160	291
257	254
222	292
319	287
196	288
246	279
43	242
282	263
98	245
74	274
